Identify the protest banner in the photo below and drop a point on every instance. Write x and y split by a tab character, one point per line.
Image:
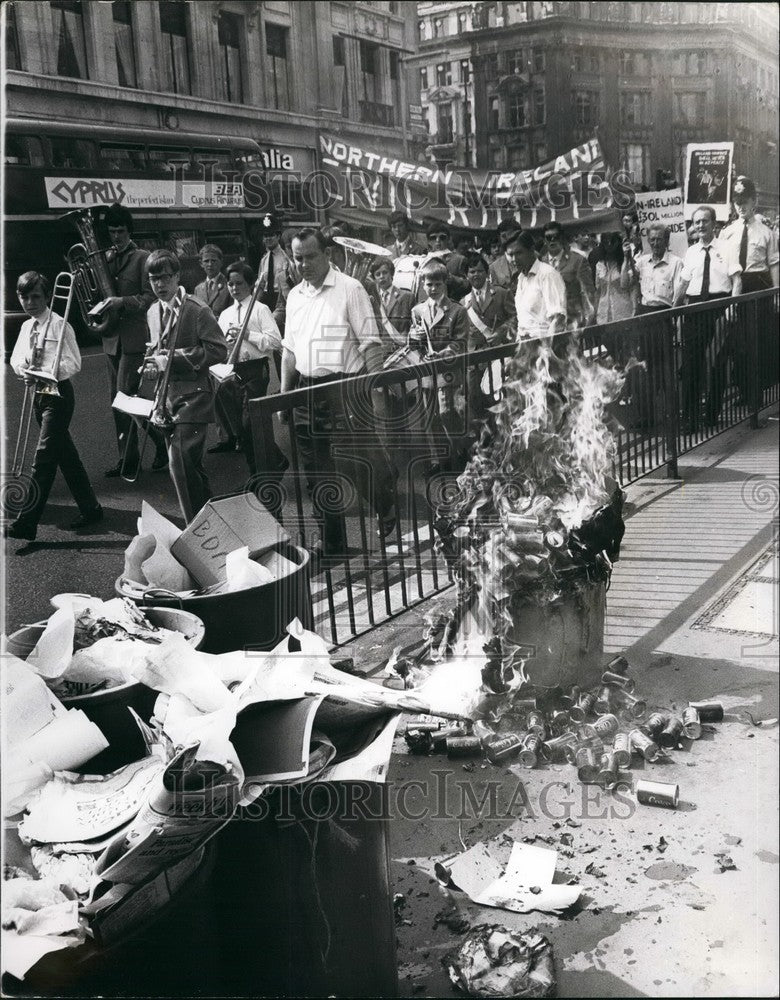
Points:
665	207
708	177
575	187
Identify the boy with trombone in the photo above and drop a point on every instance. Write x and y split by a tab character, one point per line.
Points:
46	356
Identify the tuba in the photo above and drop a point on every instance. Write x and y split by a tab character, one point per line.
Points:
88	264
360	255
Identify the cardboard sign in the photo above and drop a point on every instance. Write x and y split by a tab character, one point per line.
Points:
665	207
708	177
222	526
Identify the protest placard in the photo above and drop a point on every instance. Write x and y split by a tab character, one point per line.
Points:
708	177
665	207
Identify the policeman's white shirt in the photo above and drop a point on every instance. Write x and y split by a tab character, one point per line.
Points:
262	336
723	266
70	359
762	248
329	327
540	297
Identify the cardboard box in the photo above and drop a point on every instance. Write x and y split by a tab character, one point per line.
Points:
222	526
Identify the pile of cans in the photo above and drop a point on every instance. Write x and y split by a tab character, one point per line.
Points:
597	731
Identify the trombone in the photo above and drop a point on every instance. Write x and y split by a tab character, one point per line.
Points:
45	382
227	370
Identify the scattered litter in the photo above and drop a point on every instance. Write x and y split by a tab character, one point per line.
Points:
567	839
725	862
763	723
662	845
453	918
595	871
496	962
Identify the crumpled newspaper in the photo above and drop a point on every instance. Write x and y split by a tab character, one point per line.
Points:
493	961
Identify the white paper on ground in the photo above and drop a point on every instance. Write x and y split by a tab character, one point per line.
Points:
69	741
29	705
74	807
133	405
53	651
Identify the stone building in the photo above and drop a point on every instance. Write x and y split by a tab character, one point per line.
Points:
646	78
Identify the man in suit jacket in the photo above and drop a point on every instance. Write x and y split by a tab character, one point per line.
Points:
393	306
124	341
440	245
190	400
576	274
213	291
404	244
502	272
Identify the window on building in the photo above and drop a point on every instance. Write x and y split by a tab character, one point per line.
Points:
395	78
635	108
514	63
12	57
176	67
516	110
497	159
369	62
393	6
465	71
424	78
537	59
634	63
444	74
438	27
690	108
540	111
69	39
695	63
491	66
518	158
635	158
634	11
444	123
421	29
124	45
339	75
540	152
493	114
586	107
230	31
277	66
586	61
463	21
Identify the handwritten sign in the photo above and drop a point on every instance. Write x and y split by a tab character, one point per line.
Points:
708	177
666	208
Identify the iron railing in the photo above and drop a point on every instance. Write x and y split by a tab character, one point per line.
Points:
702	369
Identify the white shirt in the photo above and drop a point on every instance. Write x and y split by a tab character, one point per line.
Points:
540	297
70	359
723	265
762	250
328	327
262	336
657	278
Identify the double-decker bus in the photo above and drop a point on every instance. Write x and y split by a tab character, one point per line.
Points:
184	190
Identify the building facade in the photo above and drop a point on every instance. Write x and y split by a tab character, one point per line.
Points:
646	78
276	71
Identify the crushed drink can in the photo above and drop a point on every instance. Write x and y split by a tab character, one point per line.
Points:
656	723
672	734
609	769
605	726
529	755
440	737
644	745
559	722
587	765
631	707
557	746
464	746
709	711
603	702
658	793
621	748
691	723
520	705
501	748
418	740
618	665
618	680
535	723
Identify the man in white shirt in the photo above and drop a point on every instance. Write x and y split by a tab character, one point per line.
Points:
331	334
710	270
540	299
250	366
36	348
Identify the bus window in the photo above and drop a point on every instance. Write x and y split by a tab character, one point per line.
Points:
161	158
183	242
230	243
147	241
71	154
124	157
23	150
220	160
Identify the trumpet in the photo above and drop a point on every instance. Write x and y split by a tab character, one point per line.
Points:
45	382
88	263
360	255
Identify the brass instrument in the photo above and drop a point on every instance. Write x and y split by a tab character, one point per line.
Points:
227	370
360	255
89	265
158	413
45	383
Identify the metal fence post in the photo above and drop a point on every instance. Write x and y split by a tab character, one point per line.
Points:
670	396
754	374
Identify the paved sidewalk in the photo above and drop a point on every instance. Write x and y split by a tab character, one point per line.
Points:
693	604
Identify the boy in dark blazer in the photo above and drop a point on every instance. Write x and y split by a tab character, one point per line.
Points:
393	306
213	291
490	308
189	403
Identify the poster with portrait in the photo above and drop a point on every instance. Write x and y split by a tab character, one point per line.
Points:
708	177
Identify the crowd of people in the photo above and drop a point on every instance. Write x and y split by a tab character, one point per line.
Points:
301	316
